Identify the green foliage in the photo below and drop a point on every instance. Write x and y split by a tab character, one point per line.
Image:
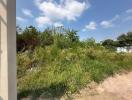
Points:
28	39
46	38
109	44
72	35
65	65
53	71
125	39
122	40
61	41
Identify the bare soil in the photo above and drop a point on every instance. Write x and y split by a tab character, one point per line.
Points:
118	87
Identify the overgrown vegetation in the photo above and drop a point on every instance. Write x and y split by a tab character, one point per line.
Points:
54	62
122	41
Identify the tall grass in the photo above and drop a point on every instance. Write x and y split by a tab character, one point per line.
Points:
53	71
55	63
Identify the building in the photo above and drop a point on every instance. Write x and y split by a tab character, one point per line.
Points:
125	49
8	84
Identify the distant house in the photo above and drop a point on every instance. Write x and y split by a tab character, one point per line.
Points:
126	49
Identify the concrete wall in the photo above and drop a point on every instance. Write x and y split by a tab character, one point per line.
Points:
8	50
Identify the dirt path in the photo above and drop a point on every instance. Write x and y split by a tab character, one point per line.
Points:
113	88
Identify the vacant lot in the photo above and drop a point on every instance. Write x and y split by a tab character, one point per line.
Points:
56	63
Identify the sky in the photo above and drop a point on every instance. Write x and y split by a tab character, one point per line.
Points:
98	19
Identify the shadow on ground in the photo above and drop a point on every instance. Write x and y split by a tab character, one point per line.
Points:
53	91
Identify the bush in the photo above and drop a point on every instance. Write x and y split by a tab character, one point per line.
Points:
28	39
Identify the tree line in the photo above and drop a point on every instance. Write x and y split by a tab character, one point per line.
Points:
30	37
121	41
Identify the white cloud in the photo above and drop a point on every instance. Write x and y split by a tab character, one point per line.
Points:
91	26
20	19
27	12
106	24
129	11
43	20
58	24
64	10
109	23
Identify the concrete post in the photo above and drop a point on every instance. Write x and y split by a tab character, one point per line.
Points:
8	50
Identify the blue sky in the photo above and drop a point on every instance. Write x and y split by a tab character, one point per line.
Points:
100	19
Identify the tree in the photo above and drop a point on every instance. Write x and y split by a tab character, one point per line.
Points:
46	38
20	41
109	43
65	38
125	39
129	38
72	35
28	39
122	40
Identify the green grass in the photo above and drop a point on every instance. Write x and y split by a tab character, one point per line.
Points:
56	72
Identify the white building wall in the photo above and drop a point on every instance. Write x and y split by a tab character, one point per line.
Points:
8	50
124	49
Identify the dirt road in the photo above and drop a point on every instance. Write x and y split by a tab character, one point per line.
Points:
118	87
